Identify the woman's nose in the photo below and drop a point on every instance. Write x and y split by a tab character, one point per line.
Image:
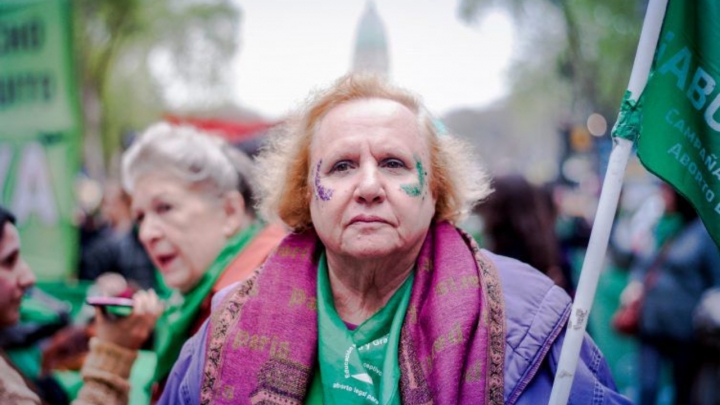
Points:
26	278
149	230
370	187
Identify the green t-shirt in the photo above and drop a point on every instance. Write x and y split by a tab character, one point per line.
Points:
358	366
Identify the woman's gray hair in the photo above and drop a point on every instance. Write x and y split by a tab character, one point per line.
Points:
457	179
196	157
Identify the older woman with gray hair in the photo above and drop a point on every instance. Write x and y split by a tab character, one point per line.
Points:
377	297
192	199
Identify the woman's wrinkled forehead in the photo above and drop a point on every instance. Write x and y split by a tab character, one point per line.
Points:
369	111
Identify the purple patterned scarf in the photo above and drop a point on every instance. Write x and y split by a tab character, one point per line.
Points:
262	344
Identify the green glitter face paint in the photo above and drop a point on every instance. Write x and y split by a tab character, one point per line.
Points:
416	189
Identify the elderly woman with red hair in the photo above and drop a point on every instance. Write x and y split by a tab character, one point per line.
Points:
376	296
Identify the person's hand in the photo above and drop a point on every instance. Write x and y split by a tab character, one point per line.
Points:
133	330
110	284
632	292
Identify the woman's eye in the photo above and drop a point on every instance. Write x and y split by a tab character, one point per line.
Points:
393	164
139	218
9	261
163	208
341	166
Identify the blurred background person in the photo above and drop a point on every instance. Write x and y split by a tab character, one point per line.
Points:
119	250
192	200
706	321
112	352
519	222
115	207
572	231
672	277
116	263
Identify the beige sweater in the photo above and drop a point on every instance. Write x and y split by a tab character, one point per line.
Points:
105	375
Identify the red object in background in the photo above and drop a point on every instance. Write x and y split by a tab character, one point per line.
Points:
233	132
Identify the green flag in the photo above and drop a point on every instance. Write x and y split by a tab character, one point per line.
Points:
39	131
677	113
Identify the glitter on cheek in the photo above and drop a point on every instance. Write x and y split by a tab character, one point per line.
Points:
413	190
321	192
416	189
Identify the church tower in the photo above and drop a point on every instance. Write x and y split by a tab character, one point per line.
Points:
371	49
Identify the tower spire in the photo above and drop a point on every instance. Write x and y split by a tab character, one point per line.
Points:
371	49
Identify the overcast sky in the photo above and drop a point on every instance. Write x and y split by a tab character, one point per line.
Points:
292	46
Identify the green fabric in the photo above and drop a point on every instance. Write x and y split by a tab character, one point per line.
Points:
668	226
70	381
141	378
628	123
73	292
680	124
34	310
27	360
41	132
118	310
315	393
174	325
359	366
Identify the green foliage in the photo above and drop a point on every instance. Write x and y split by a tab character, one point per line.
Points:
584	48
139	59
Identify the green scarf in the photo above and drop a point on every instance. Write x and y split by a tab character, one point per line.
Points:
182	309
358	366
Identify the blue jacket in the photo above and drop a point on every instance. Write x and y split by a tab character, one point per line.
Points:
536	312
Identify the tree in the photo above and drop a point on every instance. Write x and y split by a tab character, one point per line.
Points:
140	58
585	46
572	59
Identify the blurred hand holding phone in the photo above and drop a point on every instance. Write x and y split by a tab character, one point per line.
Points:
127	322
112	307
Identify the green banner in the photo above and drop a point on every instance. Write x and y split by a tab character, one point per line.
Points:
679	139
40	131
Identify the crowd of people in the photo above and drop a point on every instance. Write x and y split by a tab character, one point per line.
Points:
332	268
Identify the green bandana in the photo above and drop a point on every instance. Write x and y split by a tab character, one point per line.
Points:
359	366
179	315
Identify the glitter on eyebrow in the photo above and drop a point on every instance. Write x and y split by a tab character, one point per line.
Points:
415	190
323	193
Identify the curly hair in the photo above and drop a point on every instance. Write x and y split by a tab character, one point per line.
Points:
456	178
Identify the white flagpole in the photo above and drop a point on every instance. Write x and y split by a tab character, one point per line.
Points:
607	205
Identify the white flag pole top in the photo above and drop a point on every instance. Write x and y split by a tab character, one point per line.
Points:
607	206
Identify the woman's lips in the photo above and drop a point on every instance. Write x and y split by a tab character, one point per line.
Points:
369	219
164	261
